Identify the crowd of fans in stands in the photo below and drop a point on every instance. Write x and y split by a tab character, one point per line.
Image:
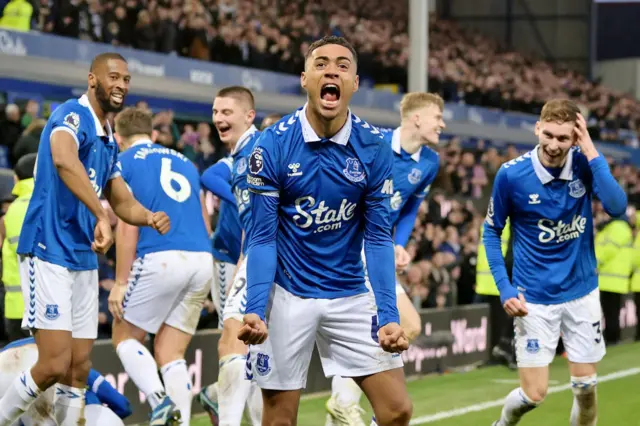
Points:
463	66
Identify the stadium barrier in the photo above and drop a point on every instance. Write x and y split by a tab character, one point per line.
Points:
459	337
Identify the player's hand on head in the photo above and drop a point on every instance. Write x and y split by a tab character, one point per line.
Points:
116	297
102	236
516	307
392	338
402	257
581	133
253	331
160	222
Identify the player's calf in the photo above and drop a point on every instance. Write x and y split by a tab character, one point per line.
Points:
70	391
516	405
169	348
584	411
234	388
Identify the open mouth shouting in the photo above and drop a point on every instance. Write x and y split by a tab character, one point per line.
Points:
224	130
329	95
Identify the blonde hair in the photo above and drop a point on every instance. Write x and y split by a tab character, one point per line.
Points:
416	100
560	111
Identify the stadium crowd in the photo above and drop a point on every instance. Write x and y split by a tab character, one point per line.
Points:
464	66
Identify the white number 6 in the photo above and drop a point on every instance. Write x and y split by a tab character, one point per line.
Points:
167	176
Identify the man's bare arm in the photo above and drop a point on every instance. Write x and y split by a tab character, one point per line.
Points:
64	153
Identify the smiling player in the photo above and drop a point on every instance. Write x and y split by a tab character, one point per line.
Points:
320	182
64	227
546	194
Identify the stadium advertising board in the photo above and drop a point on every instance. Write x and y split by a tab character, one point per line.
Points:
450	338
463	330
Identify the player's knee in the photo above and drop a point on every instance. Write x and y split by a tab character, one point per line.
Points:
81	368
55	367
397	413
536	394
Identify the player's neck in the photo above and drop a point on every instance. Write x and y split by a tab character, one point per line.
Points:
232	145
409	143
133	139
326	128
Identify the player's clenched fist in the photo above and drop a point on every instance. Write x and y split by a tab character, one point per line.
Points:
516	307
254	330
159	221
102	236
392	338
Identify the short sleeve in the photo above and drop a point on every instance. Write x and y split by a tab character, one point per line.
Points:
70	121
263	165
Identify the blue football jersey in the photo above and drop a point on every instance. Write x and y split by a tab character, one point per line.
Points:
412	173
322	185
58	227
552	226
227	238
239	184
162	179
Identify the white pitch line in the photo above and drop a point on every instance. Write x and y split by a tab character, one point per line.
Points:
499	402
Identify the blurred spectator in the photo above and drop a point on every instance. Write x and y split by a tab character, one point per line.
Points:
29	140
16	15
10	227
31	112
464	66
10	128
269	120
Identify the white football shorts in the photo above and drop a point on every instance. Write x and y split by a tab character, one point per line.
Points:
577	321
345	331
236	302
168	287
222	277
57	298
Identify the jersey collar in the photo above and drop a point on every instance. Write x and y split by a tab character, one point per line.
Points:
544	175
397	146
309	135
244	139
84	101
142	142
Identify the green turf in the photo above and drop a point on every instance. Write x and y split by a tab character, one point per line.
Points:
618	399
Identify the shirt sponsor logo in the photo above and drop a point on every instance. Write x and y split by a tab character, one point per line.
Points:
560	231
322	217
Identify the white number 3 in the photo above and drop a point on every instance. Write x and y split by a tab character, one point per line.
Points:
167	176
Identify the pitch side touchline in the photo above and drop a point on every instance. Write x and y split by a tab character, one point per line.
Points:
499	402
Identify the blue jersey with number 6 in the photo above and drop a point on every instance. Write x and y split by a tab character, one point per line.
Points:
162	179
